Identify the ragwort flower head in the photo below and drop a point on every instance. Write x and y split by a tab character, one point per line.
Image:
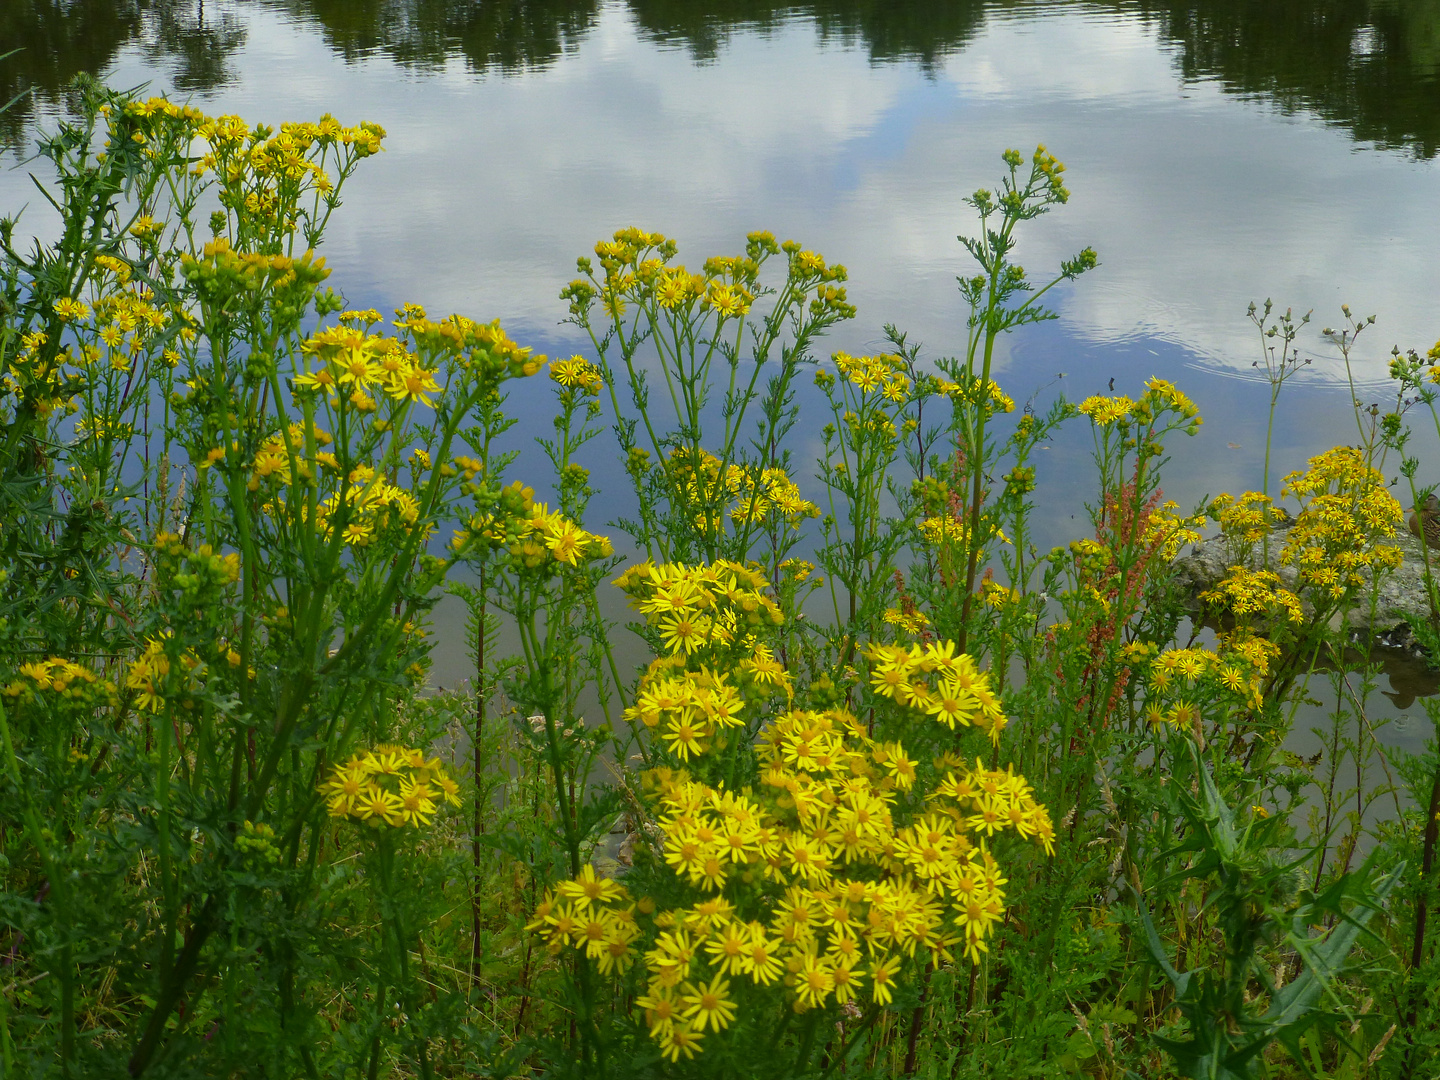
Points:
577	373
943	685
824	883
1247	519
715	614
1338	540
389	785
1244	593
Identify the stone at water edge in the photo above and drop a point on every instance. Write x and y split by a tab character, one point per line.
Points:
1401	603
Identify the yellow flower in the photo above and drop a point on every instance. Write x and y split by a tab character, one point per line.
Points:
882	978
1232	678
728	300
316	380
412	384
809	858
357	368
661	1010
344	789
762	960
589	889
952	706
683	633
900	767
846	979
577	372
686	738
764	668
679	1039
417	806
375	802
891	678
814	981
1184	716
728	949
709	1004
975	918
567	543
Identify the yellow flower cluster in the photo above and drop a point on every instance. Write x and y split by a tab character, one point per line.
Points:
69	682
939	682
585	913
702	610
1161	396
946	529
259	170
637	270
706	488
1335	541
912	621
473	343
148	676
30	377
389	785
118	327
774	495
1244	592
126	324
1049	166
160	108
1166	531
352	360
577	373
686	709
884	373
810	887
1176	680
1184	665
356	361
1105	411
999	596
977	391
1248	518
547	538
366	504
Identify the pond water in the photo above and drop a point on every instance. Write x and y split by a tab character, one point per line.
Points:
1218	151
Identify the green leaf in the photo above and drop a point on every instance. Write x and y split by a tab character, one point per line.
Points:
1324	962
1157	950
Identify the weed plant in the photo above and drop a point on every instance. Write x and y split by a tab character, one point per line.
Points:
893	793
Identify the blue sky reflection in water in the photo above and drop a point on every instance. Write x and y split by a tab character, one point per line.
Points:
1203	181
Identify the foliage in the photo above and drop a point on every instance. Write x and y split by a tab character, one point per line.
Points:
888	791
